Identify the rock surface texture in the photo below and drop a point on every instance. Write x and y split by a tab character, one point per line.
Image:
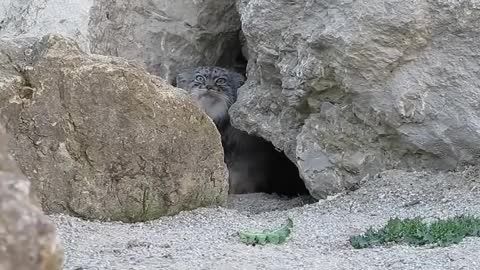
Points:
100	138
28	240
165	35
346	89
350	88
36	18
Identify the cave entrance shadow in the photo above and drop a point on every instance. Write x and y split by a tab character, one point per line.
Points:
271	169
282	174
279	172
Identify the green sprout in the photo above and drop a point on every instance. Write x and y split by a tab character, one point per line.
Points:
275	236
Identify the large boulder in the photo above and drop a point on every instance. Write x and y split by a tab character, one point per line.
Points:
28	240
100	138
165	35
350	88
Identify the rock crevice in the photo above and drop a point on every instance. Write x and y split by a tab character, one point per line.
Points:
349	89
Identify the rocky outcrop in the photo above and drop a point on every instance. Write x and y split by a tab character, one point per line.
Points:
350	88
28	240
346	89
165	35
100	138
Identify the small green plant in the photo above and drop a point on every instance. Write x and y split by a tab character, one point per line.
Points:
442	232
276	236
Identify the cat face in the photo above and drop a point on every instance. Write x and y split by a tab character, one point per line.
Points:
213	88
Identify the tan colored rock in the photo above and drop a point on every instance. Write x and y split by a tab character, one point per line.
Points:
28	240
100	138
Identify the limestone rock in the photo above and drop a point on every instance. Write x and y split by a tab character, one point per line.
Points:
28	240
100	138
350	88
36	18
166	35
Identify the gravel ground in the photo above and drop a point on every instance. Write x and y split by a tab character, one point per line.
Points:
202	239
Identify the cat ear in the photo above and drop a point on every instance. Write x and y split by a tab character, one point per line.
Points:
184	77
237	79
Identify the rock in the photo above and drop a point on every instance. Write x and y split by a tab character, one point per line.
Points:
36	18
350	88
167	35
164	35
28	240
100	138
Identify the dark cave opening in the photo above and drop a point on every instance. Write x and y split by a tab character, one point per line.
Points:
234	56
261	167
280	174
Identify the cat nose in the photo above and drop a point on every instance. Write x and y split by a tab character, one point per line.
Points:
209	87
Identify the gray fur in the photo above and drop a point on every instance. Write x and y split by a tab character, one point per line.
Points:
251	161
213	97
216	101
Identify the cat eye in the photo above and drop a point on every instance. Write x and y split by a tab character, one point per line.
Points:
200	78
221	81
